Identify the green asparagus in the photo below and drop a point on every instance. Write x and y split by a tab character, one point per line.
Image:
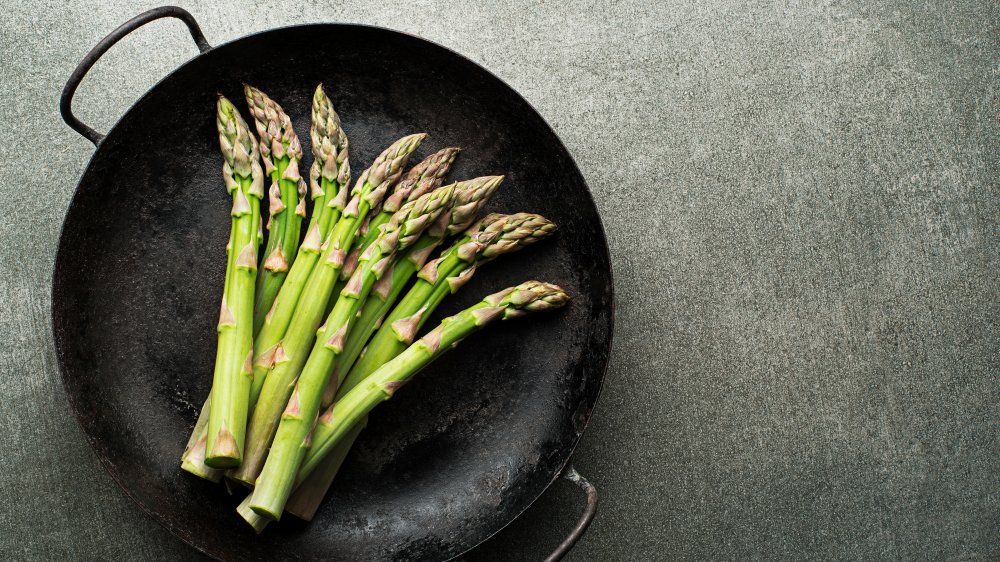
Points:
495	235
276	373
339	419
258	522
231	382
470	197
329	176
281	152
293	434
426	176
193	459
309	494
423	178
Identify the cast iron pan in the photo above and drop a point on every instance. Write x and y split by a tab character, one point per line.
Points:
468	445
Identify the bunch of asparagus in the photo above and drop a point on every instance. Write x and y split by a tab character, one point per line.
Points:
327	327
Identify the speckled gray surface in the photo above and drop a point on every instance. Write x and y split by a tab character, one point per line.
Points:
802	204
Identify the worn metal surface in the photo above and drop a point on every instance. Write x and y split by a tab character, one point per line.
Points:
802	204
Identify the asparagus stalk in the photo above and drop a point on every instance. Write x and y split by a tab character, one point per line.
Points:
231	382
258	522
470	197
493	236
193	459
281	152
426	176
330	171
275	371
293	434
309	494
328	176
423	178
339	419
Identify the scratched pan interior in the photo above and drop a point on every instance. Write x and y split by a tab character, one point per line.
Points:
456	455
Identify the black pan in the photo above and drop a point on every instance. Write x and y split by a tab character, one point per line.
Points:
468	445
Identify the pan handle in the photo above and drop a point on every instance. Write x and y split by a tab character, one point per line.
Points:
585	519
66	101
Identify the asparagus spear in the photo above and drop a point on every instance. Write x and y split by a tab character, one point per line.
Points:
423	178
309	494
339	419
330	171
258	522
470	197
193	459
231	382
281	151
329	176
426	176
276	370
293	434
493	236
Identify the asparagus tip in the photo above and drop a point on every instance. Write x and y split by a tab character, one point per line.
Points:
470	197
534	296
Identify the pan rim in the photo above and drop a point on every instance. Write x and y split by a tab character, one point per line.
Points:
60	350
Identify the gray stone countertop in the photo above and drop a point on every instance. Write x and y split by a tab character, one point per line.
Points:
802	206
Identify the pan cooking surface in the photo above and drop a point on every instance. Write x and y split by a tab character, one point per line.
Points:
460	451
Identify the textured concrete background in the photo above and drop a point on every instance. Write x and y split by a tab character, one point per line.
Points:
802	203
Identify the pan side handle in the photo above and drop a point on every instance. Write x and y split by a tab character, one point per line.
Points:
66	101
585	519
